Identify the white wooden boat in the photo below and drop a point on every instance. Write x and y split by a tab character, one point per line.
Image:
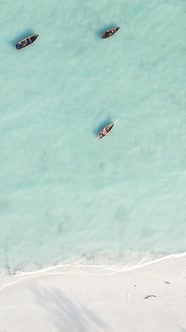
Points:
109	33
26	42
104	132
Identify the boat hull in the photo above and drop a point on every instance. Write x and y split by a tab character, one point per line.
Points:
109	33
104	132
26	42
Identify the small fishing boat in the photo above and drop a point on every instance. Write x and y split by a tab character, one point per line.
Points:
26	42
106	130
109	33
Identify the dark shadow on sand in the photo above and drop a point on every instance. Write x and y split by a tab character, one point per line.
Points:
182	329
23	34
66	314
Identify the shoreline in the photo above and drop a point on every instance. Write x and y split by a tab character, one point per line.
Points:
147	298
76	268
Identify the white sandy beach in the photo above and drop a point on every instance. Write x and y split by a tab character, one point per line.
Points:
149	298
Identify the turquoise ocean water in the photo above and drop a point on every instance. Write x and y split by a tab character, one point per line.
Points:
65	195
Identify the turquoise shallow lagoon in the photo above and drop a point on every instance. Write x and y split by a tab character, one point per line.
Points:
65	195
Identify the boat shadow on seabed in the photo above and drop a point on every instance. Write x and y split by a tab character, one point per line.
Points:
102	124
105	28
26	32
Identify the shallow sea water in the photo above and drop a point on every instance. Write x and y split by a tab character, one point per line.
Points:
65	195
